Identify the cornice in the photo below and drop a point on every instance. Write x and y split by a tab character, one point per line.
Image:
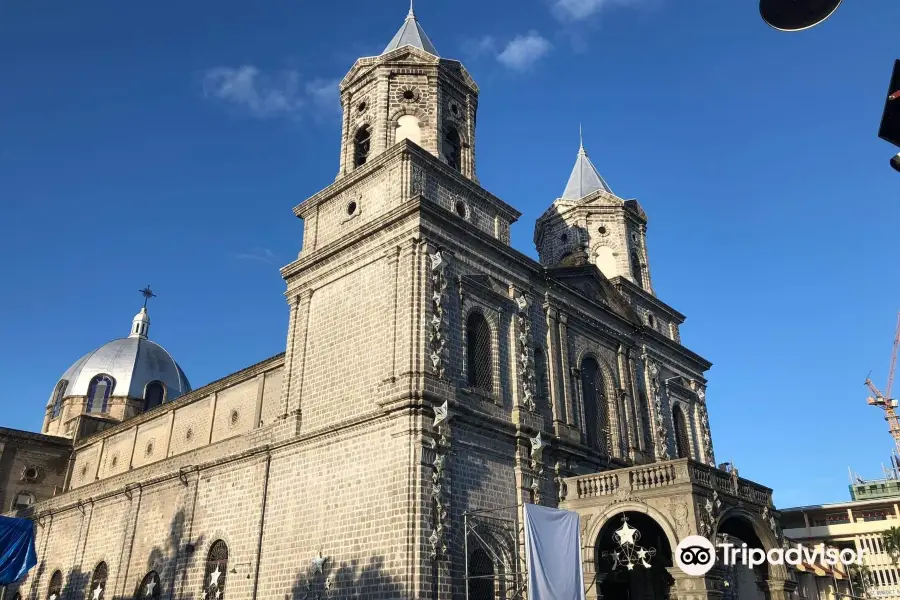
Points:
619	280
273	362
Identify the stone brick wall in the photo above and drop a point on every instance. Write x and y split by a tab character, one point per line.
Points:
31	464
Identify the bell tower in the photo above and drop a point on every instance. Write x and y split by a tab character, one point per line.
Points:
409	92
590	220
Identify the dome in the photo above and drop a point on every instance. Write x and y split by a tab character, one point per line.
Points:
130	364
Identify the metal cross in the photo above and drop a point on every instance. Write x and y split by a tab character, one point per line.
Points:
148	293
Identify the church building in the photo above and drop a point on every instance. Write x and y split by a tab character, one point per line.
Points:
433	382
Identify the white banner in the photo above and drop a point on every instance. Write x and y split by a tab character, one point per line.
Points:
553	554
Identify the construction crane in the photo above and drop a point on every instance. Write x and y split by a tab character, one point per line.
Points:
884	401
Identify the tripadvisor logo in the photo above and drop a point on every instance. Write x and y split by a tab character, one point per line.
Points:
696	555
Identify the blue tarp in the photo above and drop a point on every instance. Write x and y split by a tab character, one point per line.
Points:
17	555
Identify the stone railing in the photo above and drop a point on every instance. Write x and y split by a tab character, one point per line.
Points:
660	475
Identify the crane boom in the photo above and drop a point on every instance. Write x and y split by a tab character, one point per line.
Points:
884	401
890	381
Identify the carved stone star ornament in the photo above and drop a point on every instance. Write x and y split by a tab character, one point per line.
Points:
318	563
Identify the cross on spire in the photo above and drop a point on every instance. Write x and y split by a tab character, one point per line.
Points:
147	293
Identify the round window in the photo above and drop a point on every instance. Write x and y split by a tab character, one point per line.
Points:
409	95
362	106
351	207
30	473
602	230
461	209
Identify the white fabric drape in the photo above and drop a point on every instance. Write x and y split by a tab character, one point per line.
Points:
553	554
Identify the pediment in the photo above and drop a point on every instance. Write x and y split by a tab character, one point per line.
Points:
485	283
591	282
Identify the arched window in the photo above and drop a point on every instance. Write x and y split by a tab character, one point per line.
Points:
55	589
682	442
99	391
594	401
98	582
542	383
154	394
408	129
452	148
216	570
58	394
480	357
636	272
481	576
362	143
22	500
149	587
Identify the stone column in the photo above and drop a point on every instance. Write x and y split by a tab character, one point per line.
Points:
345	135
567	371
380	128
553	368
628	405
777	589
690	587
295	353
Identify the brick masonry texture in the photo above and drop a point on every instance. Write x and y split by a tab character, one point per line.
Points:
329	450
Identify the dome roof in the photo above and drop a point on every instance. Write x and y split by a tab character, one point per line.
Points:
132	362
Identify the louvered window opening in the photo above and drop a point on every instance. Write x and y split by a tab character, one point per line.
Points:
480	359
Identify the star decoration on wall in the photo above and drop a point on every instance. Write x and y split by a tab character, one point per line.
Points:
148	589
628	553
53	597
214	577
318	563
98	592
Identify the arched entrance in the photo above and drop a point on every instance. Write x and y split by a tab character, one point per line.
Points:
631	556
741	582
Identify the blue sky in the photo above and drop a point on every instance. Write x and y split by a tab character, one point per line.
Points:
166	143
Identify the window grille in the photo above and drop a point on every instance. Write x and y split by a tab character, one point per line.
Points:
99	391
216	570
58	394
55	589
149	587
481	576
98	582
594	401
480	359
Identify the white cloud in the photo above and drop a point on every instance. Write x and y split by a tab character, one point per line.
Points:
524	50
263	96
257	254
267	96
478	47
578	10
324	93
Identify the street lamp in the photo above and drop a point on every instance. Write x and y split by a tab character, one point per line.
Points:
796	15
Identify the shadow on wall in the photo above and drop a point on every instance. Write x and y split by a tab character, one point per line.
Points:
353	580
170	561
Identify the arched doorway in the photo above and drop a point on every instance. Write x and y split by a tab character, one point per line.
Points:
631	557
740	582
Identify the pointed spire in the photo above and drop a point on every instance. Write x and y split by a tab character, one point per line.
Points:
585	179
411	34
